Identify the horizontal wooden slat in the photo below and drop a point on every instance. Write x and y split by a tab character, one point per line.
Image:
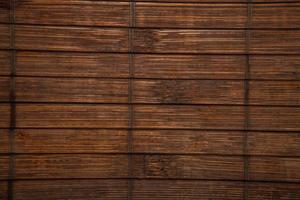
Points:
189	66
70	189
5	88
71	64
271	191
73	12
4	140
198	1
275	67
274	118
5	63
3	190
71	90
70	166
4	36
188	167
197	117
272	143
4	12
279	15
275	42
274	169
188	190
188	41
4	167
191	15
71	38
274	93
175	141
71	116
188	91
5	115
69	141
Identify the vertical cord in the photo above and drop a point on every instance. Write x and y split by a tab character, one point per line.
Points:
246	98
12	100
130	96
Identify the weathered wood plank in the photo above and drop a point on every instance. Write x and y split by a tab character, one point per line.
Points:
71	90
71	38
73	12
188	167
188	91
70	166
274	93
189	41
182	141
5	89
3	190
274	169
4	167
70	141
4	140
279	15
275	67
5	63
4	36
70	189
271	191
5	115
272	143
186	189
189	66
274	118
191	15
71	116
64	64
190	117
4	11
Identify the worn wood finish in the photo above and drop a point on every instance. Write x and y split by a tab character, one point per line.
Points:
186	189
73	12
188	92
64	64
274	169
183	141
3	190
70	166
4	167
4	89
71	90
191	15
71	116
5	63
4	140
4	36
188	167
5	115
70	141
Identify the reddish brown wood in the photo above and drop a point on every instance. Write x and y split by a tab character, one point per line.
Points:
5	115
3	190
4	167
5	58
4	140
5	89
4	36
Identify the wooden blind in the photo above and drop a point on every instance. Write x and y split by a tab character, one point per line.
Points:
149	99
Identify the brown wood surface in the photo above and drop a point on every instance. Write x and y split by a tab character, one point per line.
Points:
4	11
5	61
4	36
5	83
5	115
4	140
3	190
4	167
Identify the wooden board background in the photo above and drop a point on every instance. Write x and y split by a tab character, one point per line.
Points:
150	99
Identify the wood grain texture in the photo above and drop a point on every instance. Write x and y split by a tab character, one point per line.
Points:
5	89
186	189
279	15
4	140
275	42
188	167
71	116
71	38
71	90
4	167
5	63
189	117
70	166
73	12
188	41
274	169
188	91
271	191
70	189
274	93
70	141
183	141
3	190
281	67
199	1
191	15
274	118
5	115
189	66
64	64
4	12
4	36
275	144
